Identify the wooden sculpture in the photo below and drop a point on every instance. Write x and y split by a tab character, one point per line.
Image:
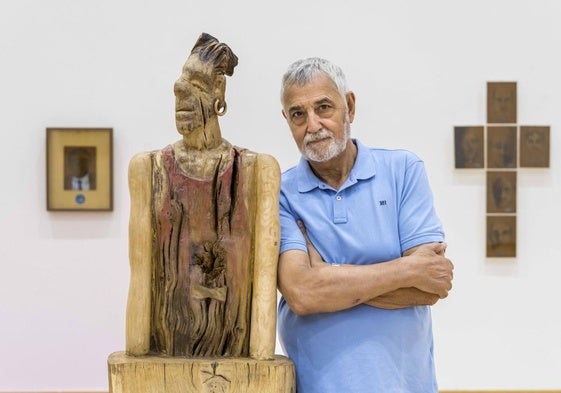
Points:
203	249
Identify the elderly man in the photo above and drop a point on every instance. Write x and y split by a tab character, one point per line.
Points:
362	252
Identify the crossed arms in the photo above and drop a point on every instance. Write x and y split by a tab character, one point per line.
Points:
422	276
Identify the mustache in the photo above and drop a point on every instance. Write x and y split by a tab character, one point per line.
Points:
316	136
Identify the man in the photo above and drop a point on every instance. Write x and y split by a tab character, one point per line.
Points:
361	255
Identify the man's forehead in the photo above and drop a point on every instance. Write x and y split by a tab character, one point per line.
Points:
312	93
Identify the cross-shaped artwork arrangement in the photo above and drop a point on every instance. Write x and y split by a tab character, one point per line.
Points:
500	147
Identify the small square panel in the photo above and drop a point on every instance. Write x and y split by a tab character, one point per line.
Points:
534	146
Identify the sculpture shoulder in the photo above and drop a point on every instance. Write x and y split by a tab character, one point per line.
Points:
140	159
268	168
267	162
140	164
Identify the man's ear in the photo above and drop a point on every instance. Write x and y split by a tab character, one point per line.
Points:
284	114
351	105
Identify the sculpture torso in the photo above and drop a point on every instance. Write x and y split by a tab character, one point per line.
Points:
202	260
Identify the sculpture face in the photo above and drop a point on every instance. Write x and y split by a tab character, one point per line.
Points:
194	96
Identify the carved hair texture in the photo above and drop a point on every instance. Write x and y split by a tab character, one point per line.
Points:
219	55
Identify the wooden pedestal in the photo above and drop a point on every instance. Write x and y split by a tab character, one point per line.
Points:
154	374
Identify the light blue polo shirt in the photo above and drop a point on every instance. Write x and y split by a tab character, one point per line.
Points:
384	208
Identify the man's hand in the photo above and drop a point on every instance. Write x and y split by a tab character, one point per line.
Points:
433	272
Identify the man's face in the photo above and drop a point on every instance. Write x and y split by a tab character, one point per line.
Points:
193	96
318	118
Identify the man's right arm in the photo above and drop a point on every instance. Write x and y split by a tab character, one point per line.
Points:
310	285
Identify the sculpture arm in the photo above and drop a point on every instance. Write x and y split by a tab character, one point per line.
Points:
140	251
267	233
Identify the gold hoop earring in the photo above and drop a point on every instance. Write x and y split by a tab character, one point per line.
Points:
220	111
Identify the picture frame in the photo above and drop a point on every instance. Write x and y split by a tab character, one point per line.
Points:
79	169
534	146
501	191
501	236
501	147
469	146
501	102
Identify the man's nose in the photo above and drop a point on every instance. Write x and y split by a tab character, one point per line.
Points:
313	122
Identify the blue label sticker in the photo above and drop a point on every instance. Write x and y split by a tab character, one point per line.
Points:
80	198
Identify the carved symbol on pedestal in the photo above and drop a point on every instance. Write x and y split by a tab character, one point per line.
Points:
216	383
508	147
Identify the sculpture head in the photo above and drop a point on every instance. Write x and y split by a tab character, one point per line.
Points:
200	90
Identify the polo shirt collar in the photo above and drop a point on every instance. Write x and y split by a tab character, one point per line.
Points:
363	168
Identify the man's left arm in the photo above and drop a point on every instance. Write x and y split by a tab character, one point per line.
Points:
417	220
399	298
405	297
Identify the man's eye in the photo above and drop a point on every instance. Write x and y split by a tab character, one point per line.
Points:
324	109
296	115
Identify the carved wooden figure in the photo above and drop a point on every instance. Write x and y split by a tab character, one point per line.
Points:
203	249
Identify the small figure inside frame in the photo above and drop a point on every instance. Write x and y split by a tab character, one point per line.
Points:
79	168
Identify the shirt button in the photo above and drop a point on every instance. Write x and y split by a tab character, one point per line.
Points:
338	197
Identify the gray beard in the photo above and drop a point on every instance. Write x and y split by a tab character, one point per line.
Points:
334	148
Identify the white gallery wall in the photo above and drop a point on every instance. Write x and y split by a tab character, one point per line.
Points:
418	68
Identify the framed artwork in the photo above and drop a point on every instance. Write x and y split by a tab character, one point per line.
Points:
505	146
534	146
501	147
501	102
501	236
501	192
79	169
469	147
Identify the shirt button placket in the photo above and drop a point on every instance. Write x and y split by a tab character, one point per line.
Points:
339	210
